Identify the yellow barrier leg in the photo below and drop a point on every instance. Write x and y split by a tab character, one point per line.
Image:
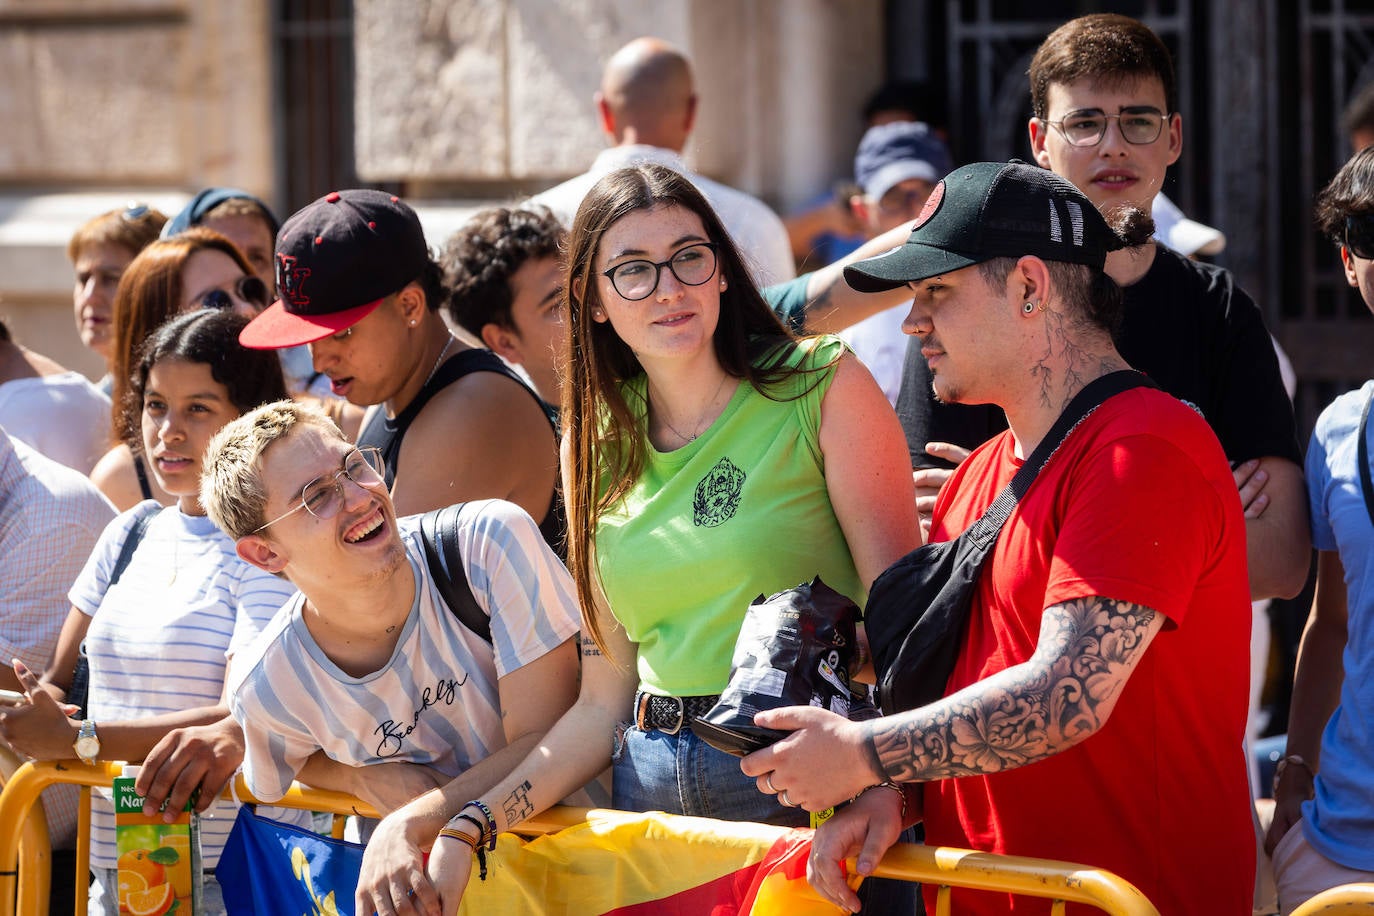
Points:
83	851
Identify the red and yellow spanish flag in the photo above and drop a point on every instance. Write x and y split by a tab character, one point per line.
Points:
624	864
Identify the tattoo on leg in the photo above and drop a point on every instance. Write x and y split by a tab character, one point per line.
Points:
1063	694
517	805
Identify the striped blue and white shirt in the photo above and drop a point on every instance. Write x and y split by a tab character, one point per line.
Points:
160	637
435	702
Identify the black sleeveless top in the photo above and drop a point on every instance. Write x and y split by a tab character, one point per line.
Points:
386	433
142	473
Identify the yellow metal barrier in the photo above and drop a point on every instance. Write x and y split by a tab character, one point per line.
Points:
941	867
1346	899
33	831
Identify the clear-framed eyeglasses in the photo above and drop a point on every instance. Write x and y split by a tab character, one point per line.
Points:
636	280
1139	125
323	497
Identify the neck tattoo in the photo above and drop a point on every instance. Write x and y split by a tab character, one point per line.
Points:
704	419
438	362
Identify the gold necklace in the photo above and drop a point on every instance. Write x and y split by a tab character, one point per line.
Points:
700	428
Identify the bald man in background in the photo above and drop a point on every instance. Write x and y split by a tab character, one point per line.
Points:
646	107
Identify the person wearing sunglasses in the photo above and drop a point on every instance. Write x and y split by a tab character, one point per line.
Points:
193	270
1322	834
252	226
1106	118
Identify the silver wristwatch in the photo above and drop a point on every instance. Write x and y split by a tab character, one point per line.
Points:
87	744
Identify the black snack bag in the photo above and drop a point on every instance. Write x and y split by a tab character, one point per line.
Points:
795	648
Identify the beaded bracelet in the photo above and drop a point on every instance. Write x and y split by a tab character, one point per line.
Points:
489	834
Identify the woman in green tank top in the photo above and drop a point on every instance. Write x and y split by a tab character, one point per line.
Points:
708	457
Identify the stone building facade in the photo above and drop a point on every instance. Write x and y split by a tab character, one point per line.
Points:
454	103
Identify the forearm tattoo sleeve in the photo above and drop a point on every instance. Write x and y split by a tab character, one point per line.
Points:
1061	695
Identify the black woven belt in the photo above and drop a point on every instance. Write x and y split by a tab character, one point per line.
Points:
669	714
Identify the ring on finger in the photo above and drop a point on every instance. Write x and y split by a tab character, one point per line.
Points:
768	781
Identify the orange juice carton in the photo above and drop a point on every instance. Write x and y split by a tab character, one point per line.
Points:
159	863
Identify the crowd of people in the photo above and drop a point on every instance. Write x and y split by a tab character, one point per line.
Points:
646	421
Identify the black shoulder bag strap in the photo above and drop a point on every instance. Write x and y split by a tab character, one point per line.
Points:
79	692
439	534
131	541
918	607
1093	395
1363	454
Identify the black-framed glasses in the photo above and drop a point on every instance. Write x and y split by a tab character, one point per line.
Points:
635	280
248	288
323	497
1139	125
1359	235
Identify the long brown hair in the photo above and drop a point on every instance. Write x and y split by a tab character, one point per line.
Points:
149	293
605	434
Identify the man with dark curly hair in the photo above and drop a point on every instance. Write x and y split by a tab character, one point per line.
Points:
505	278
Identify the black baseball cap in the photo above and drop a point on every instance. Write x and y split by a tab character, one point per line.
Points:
337	259
992	210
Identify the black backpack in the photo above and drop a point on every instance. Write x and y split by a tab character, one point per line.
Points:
439	534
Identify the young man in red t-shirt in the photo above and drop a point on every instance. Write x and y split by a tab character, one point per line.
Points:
1097	704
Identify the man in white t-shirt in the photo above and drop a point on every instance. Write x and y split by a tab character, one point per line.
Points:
647	107
369	664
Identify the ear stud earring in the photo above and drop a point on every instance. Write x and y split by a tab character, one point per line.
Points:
1028	308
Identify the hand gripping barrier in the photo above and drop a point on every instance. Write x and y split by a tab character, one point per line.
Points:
23	855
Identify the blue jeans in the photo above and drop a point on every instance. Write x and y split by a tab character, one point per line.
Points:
681	774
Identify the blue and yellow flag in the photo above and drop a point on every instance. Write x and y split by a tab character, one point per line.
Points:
273	869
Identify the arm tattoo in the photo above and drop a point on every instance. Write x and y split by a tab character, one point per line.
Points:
517	805
1064	693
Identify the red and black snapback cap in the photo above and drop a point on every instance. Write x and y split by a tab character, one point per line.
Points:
337	259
